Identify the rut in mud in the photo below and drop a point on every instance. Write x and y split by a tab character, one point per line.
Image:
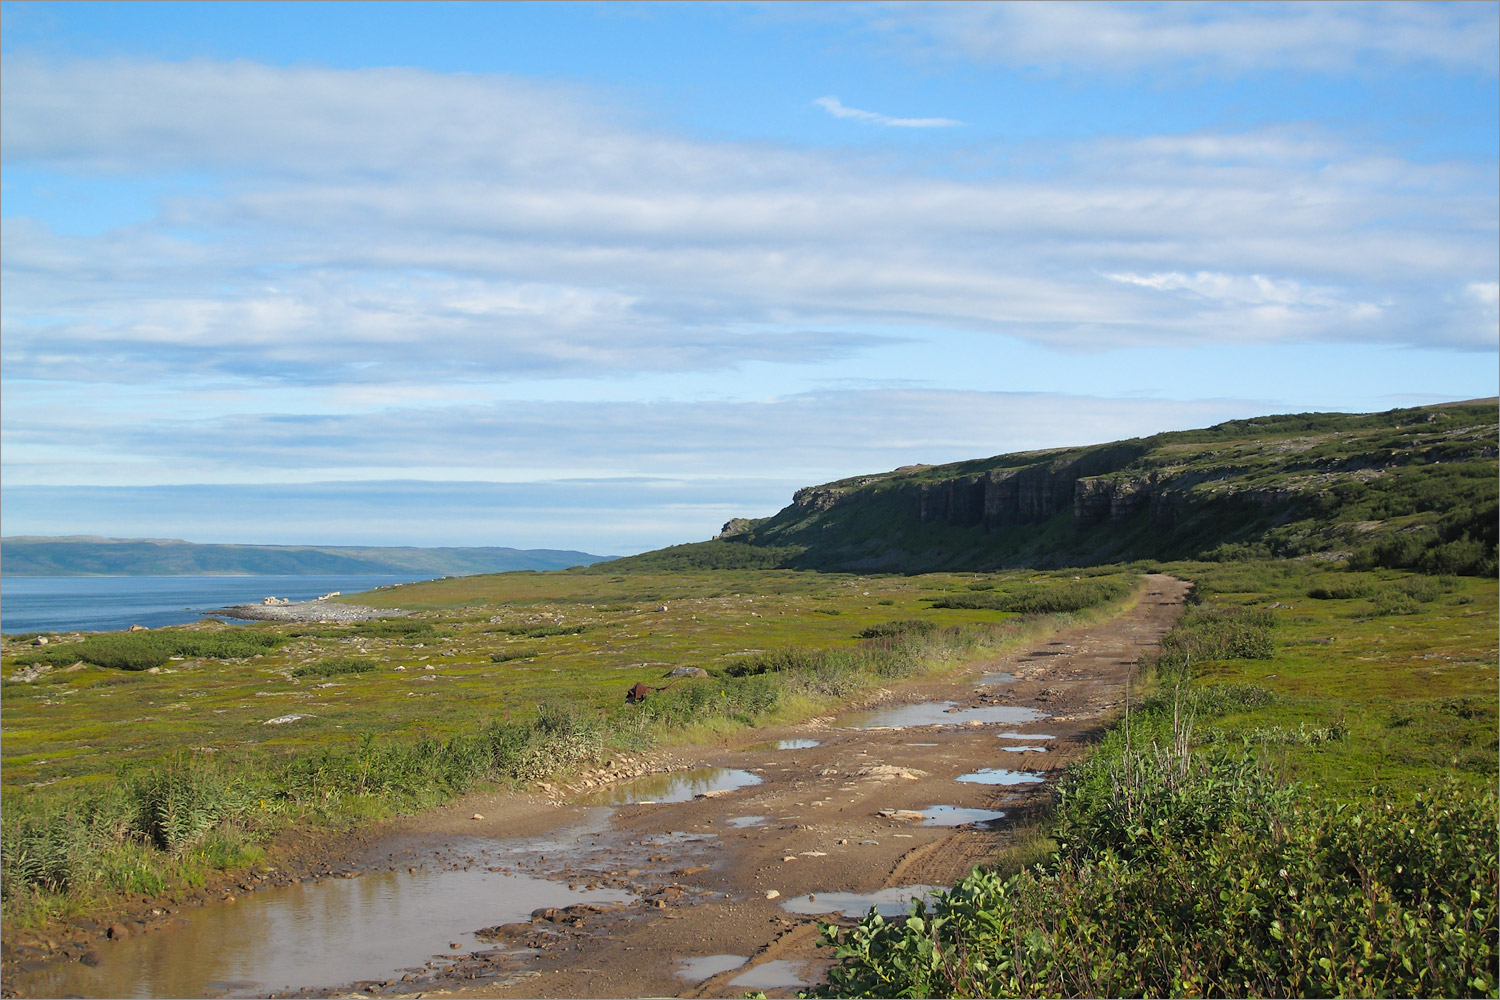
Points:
709	884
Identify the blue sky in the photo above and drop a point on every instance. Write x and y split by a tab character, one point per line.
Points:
602	276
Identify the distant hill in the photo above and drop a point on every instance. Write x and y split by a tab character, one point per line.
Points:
1411	487
89	556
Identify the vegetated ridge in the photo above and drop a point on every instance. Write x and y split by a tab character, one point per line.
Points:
91	556
1412	488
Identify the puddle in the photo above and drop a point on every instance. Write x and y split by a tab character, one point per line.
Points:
887	902
1025	736
936	713
997	678
1000	776
769	745
924	744
773	975
320	935
1024	749
702	967
678	787
958	816
741	822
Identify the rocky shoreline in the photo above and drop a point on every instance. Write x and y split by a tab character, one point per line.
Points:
319	611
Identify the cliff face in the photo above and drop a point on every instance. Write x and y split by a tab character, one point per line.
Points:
1289	483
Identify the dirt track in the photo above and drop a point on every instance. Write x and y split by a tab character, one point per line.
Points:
704	889
839	817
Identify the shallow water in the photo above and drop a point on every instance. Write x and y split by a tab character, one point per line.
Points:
1025	736
997	678
887	902
958	815
677	787
1024	749
1000	776
776	974
769	745
937	713
741	822
324	934
702	967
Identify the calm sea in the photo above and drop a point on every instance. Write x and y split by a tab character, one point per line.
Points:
100	603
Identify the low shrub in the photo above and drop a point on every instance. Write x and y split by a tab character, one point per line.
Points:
144	650
336	665
904	627
1043	599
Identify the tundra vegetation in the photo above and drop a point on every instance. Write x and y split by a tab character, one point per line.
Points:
138	763
1300	803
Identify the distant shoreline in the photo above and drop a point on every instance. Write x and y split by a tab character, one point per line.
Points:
306	612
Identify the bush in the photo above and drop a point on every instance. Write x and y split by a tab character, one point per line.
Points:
336	665
1044	599
144	650
1217	634
904	627
1202	877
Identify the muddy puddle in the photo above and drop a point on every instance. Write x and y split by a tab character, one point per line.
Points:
743	822
678	787
701	967
887	902
1026	736
379	926
1000	776
771	745
958	816
938	713
777	974
995	679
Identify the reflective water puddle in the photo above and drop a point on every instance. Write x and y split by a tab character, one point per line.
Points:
1025	736
1024	749
937	713
324	934
678	787
702	967
741	822
997	678
958	816
773	975
887	902
769	745
1000	776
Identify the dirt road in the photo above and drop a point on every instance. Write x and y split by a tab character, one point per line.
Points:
844	816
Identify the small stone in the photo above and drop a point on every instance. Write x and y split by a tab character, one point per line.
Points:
773	894
790	857
478	816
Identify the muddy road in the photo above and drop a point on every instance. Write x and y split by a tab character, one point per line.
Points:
706	881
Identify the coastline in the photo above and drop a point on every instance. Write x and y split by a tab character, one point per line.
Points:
306	612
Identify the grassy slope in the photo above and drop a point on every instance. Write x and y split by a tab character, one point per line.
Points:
1285	485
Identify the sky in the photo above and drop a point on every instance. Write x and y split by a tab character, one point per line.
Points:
603	276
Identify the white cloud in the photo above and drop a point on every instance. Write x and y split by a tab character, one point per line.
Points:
1220	38
837	108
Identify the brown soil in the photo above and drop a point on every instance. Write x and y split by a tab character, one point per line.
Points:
702	881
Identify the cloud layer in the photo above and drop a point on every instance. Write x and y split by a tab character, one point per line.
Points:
514	229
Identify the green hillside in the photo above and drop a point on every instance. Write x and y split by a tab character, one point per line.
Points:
1412	488
87	556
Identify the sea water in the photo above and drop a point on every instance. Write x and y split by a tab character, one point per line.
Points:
104	603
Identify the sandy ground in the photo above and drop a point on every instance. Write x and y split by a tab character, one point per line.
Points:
711	876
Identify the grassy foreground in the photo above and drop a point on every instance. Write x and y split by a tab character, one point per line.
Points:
1302	805
136	764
